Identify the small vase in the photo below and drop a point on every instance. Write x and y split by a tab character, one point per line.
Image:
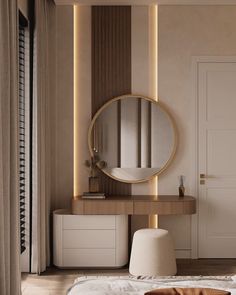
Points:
93	184
181	190
181	186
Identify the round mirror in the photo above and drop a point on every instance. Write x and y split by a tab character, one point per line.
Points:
133	137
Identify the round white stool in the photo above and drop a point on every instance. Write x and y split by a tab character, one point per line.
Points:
152	253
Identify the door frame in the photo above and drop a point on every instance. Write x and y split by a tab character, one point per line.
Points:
196	60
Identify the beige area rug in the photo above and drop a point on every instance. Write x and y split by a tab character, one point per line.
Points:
129	285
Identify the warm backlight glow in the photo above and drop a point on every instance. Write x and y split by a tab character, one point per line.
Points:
153	219
76	135
155	45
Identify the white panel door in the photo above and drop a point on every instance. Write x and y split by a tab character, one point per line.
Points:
217	159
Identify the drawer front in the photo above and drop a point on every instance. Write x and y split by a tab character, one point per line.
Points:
162	208
108	207
88	239
89	222
88	257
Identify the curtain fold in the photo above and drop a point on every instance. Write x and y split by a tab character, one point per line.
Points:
9	190
43	77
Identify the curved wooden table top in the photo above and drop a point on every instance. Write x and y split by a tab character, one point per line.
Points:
135	205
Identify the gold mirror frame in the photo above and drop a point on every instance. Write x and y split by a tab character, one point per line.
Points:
162	107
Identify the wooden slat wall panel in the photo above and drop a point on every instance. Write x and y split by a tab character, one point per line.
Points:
111	67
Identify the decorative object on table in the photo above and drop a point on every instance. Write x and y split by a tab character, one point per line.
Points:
93	164
89	195
181	186
93	184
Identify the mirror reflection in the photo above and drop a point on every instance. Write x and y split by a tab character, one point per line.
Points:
135	136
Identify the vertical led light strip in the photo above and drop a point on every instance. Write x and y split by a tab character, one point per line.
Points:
155	51
153	219
76	135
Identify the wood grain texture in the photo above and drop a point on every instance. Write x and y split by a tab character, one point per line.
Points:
111	67
163	208
136	205
77	207
91	207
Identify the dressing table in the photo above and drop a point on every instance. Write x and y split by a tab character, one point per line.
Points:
131	139
95	232
135	205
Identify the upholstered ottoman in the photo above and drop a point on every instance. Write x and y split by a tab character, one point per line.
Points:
152	253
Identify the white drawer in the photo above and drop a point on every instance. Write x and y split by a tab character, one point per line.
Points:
88	257
89	222
89	239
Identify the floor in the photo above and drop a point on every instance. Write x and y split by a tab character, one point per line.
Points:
56	282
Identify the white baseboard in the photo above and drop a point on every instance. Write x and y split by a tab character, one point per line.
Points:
183	253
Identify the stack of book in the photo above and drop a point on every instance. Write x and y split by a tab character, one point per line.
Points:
88	195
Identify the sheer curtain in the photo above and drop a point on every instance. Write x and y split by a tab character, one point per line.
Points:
43	84
9	196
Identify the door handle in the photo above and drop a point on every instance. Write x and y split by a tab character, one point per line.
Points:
204	176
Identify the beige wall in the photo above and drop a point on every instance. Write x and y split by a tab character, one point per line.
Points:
83	98
62	110
186	31
53	92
